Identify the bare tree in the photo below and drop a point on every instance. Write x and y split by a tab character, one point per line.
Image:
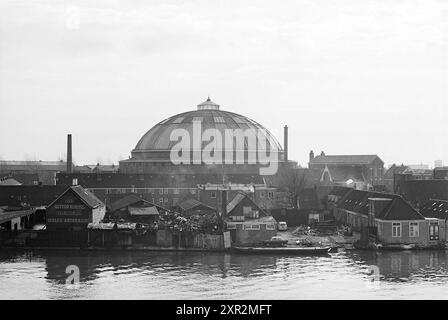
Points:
293	181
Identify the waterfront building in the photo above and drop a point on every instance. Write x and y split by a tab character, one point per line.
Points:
388	218
69	215
247	222
135	209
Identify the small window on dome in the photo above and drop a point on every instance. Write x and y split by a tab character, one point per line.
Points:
179	120
239	120
219	119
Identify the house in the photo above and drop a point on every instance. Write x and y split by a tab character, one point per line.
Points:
135	209
69	215
247	222
397	222
358	171
389	218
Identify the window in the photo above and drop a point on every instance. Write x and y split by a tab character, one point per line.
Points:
179	120
165	191
160	191
213	195
176	191
271	195
262	194
219	119
161	200
396	229
251	227
433	231
165	200
232	226
270	227
413	229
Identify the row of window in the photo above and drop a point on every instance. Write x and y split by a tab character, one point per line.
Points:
414	230
250	226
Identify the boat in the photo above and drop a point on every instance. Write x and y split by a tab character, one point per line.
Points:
282	250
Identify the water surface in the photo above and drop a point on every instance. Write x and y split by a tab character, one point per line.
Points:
188	275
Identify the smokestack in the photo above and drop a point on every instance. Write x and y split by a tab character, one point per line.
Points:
224	203
285	142
69	154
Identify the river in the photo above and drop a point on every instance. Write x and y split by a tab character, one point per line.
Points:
188	275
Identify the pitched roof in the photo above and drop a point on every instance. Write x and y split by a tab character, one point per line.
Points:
399	209
235	201
85	195
358	200
190	203
88	197
240	196
9	182
435	209
340	191
344	159
6	216
146	211
130	200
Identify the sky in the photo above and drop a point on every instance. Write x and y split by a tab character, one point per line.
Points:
346	76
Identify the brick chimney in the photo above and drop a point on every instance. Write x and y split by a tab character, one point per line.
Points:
69	154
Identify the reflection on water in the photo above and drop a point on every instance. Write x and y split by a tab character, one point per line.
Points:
156	275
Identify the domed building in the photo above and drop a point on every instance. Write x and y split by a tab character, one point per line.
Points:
154	151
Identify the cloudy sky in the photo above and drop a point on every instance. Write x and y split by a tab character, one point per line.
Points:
346	76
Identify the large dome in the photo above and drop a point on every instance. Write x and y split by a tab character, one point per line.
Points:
210	116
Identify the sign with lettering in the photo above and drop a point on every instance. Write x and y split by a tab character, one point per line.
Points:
227	240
